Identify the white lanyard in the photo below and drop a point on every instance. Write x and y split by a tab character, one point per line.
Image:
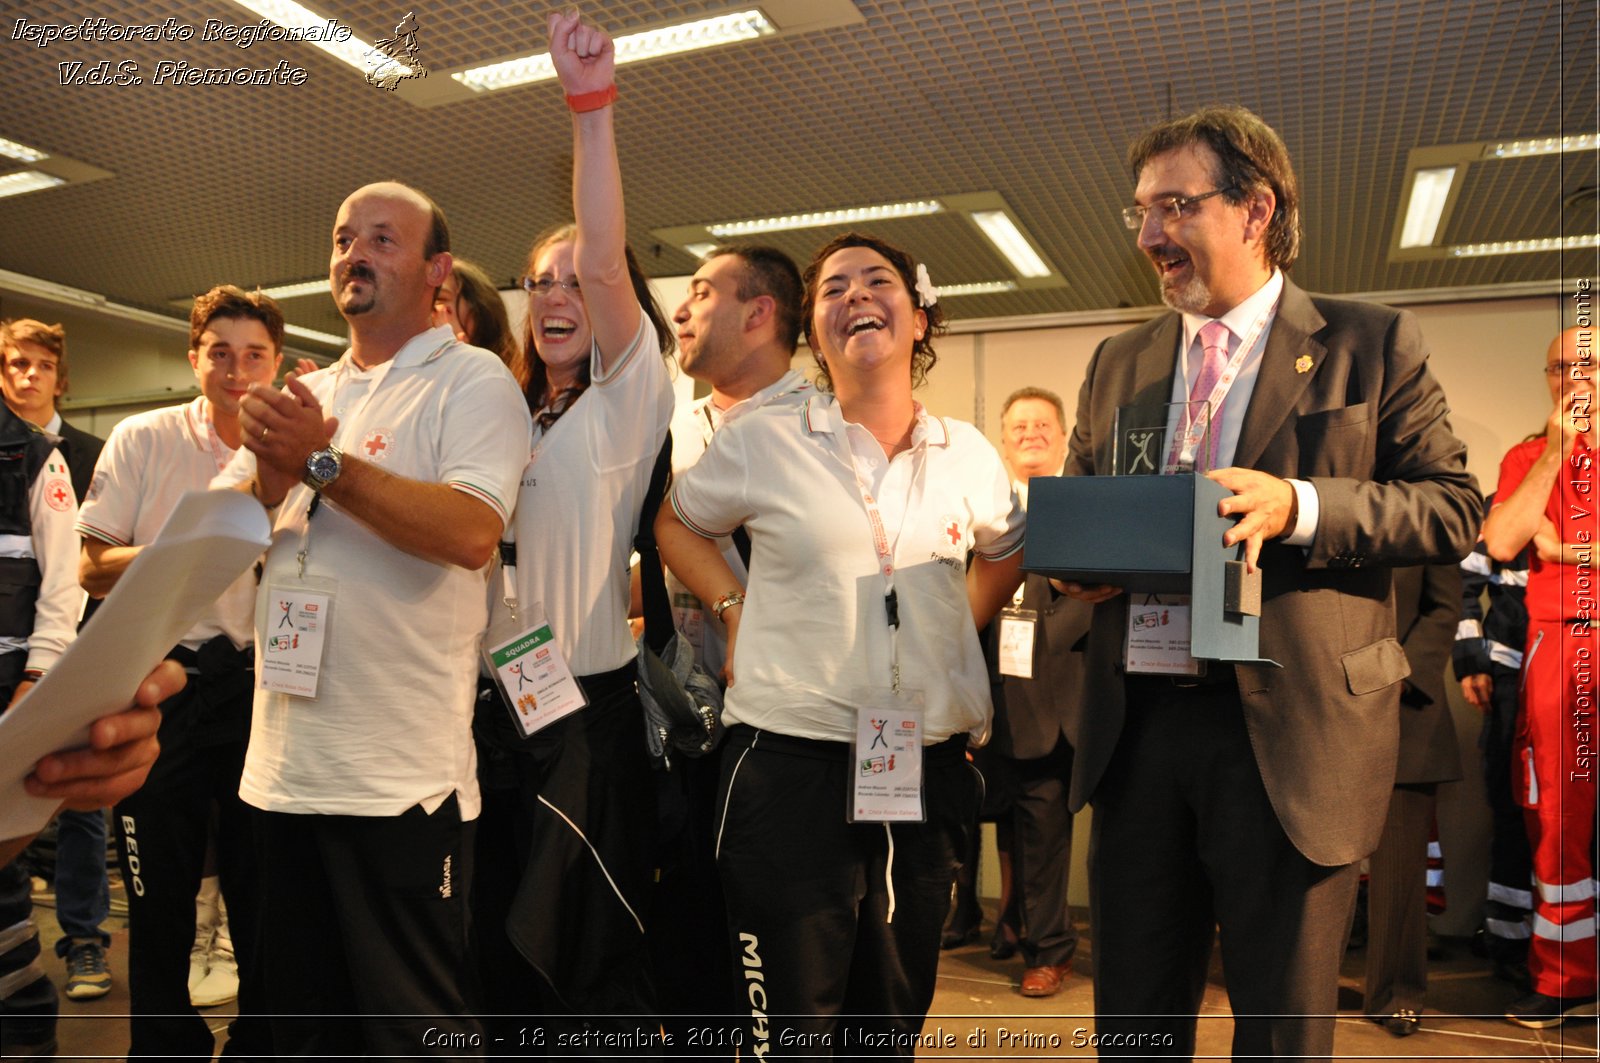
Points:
885	548
508	572
1193	428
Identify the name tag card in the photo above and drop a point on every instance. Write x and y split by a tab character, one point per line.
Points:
534	677
293	634
886	758
1158	636
1017	628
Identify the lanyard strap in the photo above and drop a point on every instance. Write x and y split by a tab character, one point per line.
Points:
508	573
1193	427
885	549
206	429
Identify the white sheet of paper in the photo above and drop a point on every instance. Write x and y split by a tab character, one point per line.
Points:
210	538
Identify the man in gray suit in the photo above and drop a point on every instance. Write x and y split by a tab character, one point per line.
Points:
1244	797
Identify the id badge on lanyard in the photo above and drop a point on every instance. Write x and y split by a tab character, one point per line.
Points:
293	614
527	665
1189	430
886	751
1158	636
1017	629
886	758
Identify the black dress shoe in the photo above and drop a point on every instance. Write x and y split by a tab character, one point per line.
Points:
1402	1023
1003	945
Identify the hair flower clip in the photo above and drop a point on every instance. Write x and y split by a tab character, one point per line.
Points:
927	294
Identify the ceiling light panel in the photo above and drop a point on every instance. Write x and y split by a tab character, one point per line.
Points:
299	288
351	50
630	48
956	291
16	184
823	218
21	152
1430	191
318	337
1008	239
1524	247
1513	149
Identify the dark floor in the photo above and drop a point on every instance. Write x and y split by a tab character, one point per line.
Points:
977	999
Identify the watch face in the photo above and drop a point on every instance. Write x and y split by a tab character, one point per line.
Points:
323	466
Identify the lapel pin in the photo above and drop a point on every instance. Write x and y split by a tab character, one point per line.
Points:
1302	364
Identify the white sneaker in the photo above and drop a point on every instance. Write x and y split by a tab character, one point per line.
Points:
220	985
206	916
197	966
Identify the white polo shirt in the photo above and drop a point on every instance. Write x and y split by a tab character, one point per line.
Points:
578	509
692	429
150	461
390	726
814	630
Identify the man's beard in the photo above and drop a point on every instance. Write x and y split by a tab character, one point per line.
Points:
357	304
1190	297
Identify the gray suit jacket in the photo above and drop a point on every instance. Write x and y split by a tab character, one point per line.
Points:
1427	604
1366	424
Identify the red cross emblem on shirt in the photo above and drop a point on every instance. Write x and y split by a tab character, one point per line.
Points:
954	531
57	495
376	446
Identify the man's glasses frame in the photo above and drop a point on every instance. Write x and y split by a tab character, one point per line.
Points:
1169	209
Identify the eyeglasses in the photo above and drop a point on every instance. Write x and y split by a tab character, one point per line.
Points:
1168	209
543	286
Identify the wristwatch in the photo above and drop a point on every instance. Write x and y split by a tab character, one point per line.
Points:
323	467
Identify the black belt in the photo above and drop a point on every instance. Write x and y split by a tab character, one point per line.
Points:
1220	677
216	656
951	749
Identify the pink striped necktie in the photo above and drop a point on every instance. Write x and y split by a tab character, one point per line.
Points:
1213	339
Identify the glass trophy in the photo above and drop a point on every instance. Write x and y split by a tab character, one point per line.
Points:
1162	439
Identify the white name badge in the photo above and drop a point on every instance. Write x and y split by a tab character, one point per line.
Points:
294	629
1158	636
534	677
886	758
1017	627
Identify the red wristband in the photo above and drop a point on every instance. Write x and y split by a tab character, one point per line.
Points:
593	101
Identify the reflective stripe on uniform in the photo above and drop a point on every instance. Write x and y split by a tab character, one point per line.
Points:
1578	930
1508	930
1570	893
1506	895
